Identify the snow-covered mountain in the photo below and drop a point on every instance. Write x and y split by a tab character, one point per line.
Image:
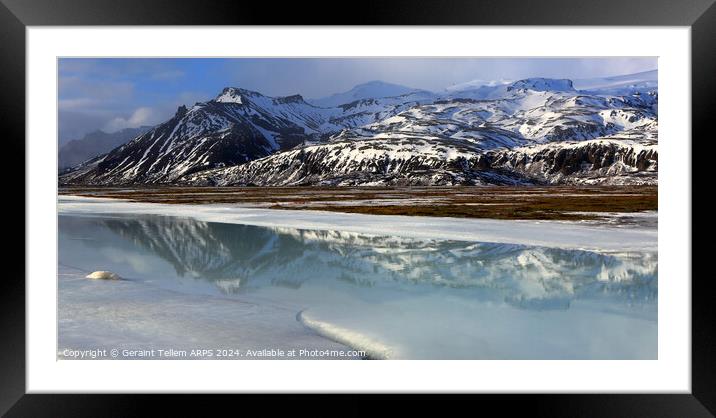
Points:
415	161
628	84
497	90
370	90
475	84
529	131
236	127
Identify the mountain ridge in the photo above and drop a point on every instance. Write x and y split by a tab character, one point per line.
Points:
415	138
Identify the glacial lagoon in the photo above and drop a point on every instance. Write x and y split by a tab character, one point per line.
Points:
191	284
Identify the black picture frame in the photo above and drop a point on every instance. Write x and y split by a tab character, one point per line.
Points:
16	15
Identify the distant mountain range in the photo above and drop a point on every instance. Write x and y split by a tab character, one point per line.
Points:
94	144
531	131
369	90
628	84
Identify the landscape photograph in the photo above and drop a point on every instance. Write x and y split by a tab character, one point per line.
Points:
358	208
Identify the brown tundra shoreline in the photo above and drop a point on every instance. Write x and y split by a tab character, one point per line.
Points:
572	203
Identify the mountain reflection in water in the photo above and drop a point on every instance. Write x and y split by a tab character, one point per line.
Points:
241	258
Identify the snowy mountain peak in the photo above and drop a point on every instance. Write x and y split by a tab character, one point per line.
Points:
370	90
229	95
542	84
235	95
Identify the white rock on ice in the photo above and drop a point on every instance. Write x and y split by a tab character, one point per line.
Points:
103	275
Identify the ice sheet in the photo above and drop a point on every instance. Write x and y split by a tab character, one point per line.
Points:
560	234
452	327
136	316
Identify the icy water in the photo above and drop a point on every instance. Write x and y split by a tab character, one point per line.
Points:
394	298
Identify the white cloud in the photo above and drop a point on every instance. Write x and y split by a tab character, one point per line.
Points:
141	116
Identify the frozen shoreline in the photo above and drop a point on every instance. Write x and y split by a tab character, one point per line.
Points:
140	320
559	234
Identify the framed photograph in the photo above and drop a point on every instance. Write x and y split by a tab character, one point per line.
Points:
481	198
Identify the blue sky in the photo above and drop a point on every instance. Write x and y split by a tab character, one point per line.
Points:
115	93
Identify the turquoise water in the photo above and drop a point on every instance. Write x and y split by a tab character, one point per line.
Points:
394	297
